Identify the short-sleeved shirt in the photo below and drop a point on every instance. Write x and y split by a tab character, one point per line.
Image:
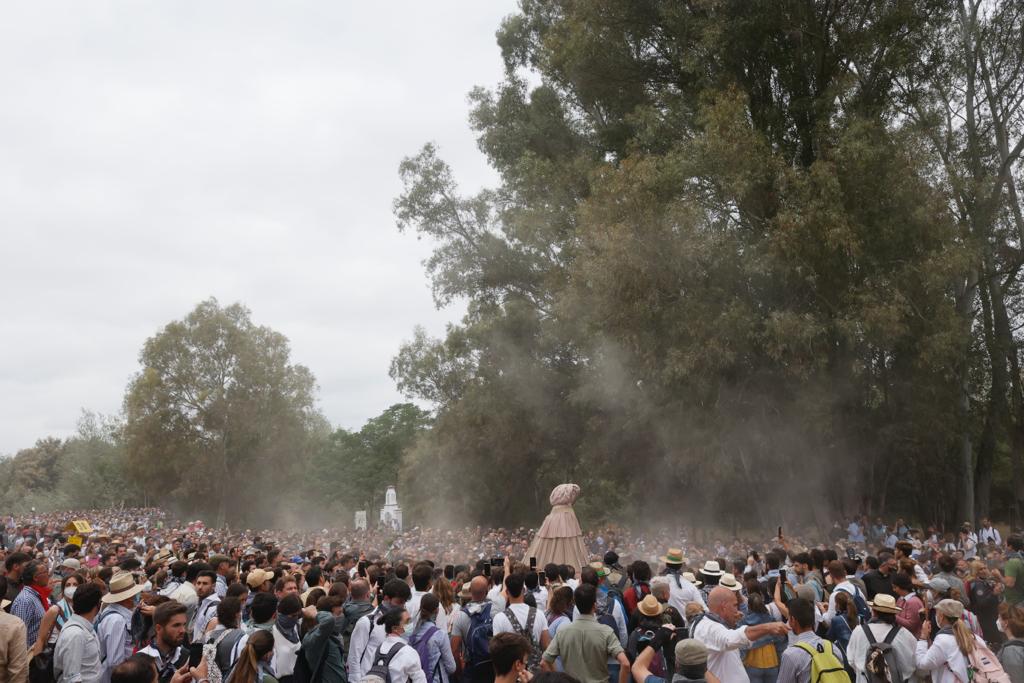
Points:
521	611
1014	567
585	647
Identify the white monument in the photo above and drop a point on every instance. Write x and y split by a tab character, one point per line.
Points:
391	513
361	520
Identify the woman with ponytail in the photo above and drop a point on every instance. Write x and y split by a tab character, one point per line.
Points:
253	665
955	648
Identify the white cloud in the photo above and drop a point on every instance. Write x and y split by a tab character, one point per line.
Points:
157	153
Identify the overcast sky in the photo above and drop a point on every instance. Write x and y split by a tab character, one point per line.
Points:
155	153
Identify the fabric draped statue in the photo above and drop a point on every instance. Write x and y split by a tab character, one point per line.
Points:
560	539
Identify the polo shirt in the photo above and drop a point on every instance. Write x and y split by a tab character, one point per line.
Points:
585	647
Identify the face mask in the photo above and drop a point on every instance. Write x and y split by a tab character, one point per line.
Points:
69	592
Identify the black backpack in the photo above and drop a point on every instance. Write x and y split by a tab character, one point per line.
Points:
380	670
880	663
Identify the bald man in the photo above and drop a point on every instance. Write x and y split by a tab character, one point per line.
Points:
473	672
716	630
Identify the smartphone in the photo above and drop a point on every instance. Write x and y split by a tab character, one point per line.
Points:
497	561
542	579
533	564
195	654
361	568
487	570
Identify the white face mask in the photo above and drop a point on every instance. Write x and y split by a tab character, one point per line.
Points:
69	592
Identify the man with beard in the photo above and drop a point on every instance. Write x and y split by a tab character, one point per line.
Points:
169	619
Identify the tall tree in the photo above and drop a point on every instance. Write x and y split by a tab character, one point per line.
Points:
218	416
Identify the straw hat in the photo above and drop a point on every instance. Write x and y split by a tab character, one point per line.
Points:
692	579
122	587
650	607
257	577
729	581
673	556
711	568
464	593
884	603
599	567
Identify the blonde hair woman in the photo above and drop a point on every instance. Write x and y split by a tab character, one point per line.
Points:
950	654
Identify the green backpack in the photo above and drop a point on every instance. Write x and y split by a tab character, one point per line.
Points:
825	666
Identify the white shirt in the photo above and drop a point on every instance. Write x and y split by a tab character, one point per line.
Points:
186	595
285	653
903	644
405	665
723	646
679	595
206	612
849	589
991	533
495	596
413	607
501	624
366	638
943	659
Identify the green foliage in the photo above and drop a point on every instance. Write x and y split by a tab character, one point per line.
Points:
717	263
351	470
218	418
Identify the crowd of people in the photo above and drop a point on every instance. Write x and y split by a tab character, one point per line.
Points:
141	597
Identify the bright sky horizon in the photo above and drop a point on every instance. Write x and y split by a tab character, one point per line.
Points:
157	154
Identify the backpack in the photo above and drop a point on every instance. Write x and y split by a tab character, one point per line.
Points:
217	667
825	666
863	611
983	667
422	647
640	639
380	672
607	616
478	641
533	662
880	663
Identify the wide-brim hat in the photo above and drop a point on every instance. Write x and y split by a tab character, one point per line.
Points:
693	579
884	602
122	587
673	556
163	556
257	577
729	581
711	568
650	607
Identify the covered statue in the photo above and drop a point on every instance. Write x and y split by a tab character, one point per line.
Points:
560	539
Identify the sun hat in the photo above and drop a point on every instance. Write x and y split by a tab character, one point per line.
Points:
954	609
4	603
884	602
599	567
692	579
729	581
464	593
162	556
711	568
673	556
690	652
257	577
122	587
650	607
